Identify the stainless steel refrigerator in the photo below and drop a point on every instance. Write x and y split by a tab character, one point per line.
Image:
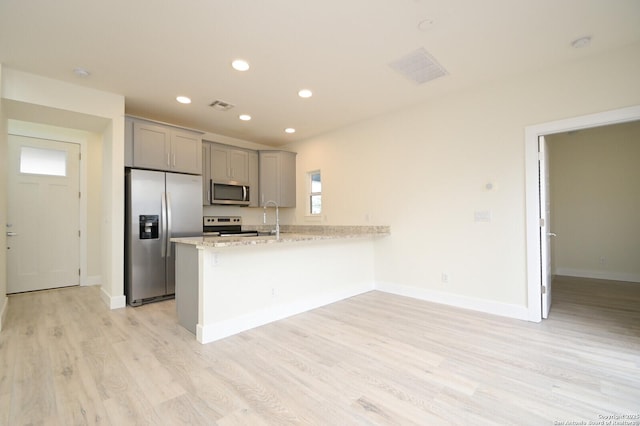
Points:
158	207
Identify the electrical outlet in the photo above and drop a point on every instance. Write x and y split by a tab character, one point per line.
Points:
603	260
444	277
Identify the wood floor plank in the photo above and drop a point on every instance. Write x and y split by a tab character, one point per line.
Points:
374	359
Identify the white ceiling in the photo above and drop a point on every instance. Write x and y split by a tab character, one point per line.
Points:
152	51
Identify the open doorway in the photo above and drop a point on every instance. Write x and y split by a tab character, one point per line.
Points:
535	262
594	198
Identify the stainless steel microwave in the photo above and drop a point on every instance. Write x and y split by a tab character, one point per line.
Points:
229	194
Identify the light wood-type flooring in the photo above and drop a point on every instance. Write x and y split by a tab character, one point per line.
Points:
65	359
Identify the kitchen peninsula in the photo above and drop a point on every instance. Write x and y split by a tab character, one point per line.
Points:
226	285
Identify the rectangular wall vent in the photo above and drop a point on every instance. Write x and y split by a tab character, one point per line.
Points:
419	66
221	105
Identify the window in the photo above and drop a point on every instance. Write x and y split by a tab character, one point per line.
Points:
39	161
315	193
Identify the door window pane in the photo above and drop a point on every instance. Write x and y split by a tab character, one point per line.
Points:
40	161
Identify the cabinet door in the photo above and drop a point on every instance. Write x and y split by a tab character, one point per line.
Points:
219	163
186	152
269	178
278	178
151	146
206	173
239	166
287	179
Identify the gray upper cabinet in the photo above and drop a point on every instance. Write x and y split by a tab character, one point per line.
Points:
278	178
254	179
229	164
206	173
157	146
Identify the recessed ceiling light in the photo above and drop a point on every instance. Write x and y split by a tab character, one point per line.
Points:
305	93
81	72
183	100
240	65
244	117
581	42
290	130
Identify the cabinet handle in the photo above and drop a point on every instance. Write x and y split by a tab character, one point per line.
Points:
174	159
168	160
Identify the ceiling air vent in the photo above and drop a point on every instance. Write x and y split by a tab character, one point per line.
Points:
419	66
221	105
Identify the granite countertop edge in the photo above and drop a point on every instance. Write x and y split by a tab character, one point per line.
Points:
290	234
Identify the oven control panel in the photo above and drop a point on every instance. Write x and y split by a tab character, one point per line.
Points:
221	220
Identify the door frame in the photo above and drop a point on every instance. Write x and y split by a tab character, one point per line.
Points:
532	189
79	137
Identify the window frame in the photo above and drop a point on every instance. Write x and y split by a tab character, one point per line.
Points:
311	193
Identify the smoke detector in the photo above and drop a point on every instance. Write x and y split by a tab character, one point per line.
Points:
221	105
419	66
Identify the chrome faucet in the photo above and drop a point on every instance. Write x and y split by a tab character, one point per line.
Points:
264	217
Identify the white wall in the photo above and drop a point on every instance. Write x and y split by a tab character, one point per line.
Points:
595	200
423	171
3	208
282	280
94	209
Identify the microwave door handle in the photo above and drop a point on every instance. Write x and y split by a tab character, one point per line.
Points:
244	192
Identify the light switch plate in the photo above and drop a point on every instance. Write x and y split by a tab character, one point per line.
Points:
482	216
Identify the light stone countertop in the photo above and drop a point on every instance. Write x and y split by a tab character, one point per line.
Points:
289	235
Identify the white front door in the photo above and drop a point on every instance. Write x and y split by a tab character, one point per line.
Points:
43	226
545	227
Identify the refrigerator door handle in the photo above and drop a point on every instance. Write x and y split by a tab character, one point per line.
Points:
168	235
163	225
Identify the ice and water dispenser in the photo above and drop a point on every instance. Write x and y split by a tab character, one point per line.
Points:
149	226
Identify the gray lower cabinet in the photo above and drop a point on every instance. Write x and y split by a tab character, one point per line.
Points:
157	146
187	270
278	177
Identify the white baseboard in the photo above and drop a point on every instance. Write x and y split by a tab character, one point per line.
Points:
92	280
113	302
599	275
211	332
481	305
3	310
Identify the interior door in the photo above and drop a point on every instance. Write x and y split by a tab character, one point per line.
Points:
545	226
43	237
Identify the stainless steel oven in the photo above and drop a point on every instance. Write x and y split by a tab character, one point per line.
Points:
225	226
